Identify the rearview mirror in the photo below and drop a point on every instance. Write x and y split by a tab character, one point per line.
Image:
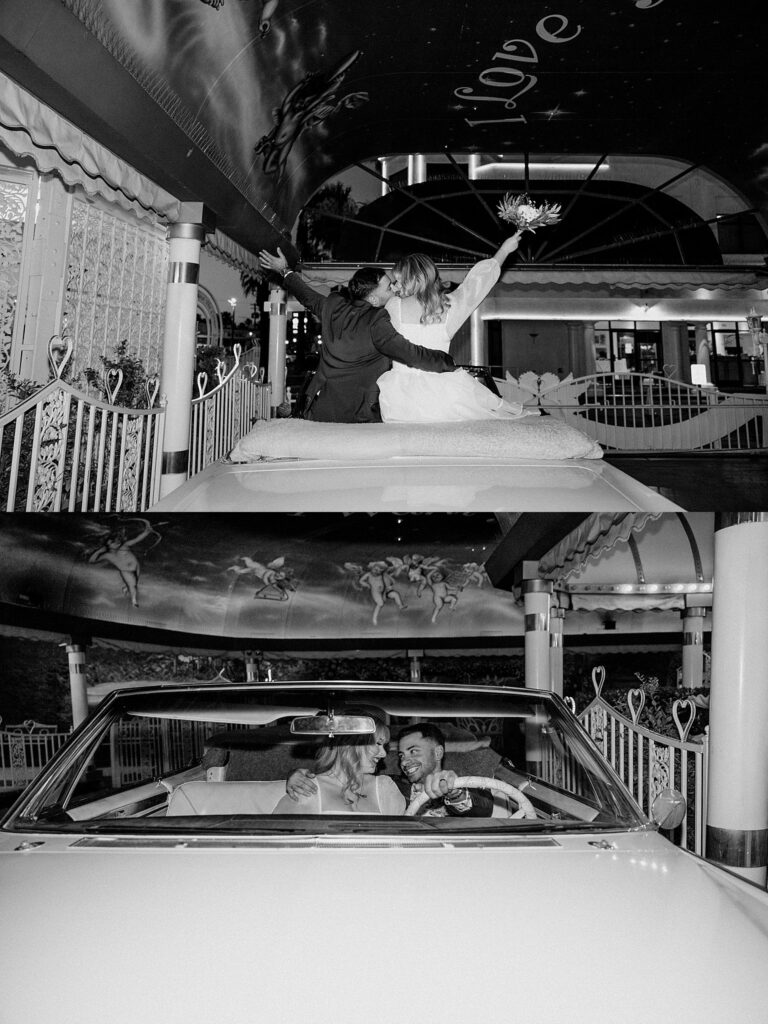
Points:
668	809
334	725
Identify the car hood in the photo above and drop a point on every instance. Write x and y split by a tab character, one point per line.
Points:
588	928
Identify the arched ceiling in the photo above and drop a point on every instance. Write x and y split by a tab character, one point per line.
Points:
615	223
250	105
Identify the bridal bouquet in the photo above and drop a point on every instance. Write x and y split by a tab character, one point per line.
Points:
525	214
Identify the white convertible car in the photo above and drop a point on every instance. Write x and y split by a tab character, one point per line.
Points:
145	877
473	466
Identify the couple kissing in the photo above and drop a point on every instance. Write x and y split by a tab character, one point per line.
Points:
386	339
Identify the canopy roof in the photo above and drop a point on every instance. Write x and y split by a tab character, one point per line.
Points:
368	582
250	105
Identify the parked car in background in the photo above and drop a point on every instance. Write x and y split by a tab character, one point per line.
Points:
146	876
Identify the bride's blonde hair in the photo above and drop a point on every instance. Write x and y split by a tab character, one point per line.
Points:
419	277
343	755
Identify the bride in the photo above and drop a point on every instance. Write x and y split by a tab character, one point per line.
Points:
423	313
345	779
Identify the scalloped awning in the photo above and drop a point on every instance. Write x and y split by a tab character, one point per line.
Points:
634	561
656	279
31	130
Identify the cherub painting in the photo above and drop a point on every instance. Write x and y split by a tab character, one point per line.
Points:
275	583
474	572
416	568
117	550
378	579
443	595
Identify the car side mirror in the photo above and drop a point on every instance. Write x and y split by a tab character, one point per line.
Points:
668	809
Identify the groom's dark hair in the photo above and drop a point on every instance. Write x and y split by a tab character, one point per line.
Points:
428	730
363	281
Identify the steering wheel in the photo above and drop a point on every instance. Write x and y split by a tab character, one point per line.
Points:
524	805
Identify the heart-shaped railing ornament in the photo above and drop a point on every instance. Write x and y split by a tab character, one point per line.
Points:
202	381
571	704
598	678
252	370
238	350
152	386
113	381
686	706
220	369
59	353
635	703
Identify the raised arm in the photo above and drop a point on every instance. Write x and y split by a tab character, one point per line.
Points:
507	247
293	282
477	284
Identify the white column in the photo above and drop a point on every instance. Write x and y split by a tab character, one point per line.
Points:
556	623
577	349
693	648
674	347
589	350
277	333
179	341
416	657
251	667
473	166
702	348
417	168
78	688
384	172
737	805
478	341
537	596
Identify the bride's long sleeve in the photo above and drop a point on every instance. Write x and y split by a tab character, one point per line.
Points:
471	292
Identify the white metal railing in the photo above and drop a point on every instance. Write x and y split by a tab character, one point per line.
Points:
24	749
648	762
152	747
61	450
224	414
643	412
138	749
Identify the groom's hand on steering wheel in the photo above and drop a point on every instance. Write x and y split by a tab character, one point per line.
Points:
440	785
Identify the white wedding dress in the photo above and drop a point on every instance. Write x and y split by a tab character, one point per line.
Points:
408	395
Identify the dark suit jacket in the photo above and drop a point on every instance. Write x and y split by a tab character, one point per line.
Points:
359	343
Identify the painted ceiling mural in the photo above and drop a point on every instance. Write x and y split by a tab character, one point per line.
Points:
289	92
276	577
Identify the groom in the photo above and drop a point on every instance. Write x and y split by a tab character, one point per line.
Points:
358	344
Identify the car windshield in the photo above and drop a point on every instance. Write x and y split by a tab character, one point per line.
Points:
214	760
